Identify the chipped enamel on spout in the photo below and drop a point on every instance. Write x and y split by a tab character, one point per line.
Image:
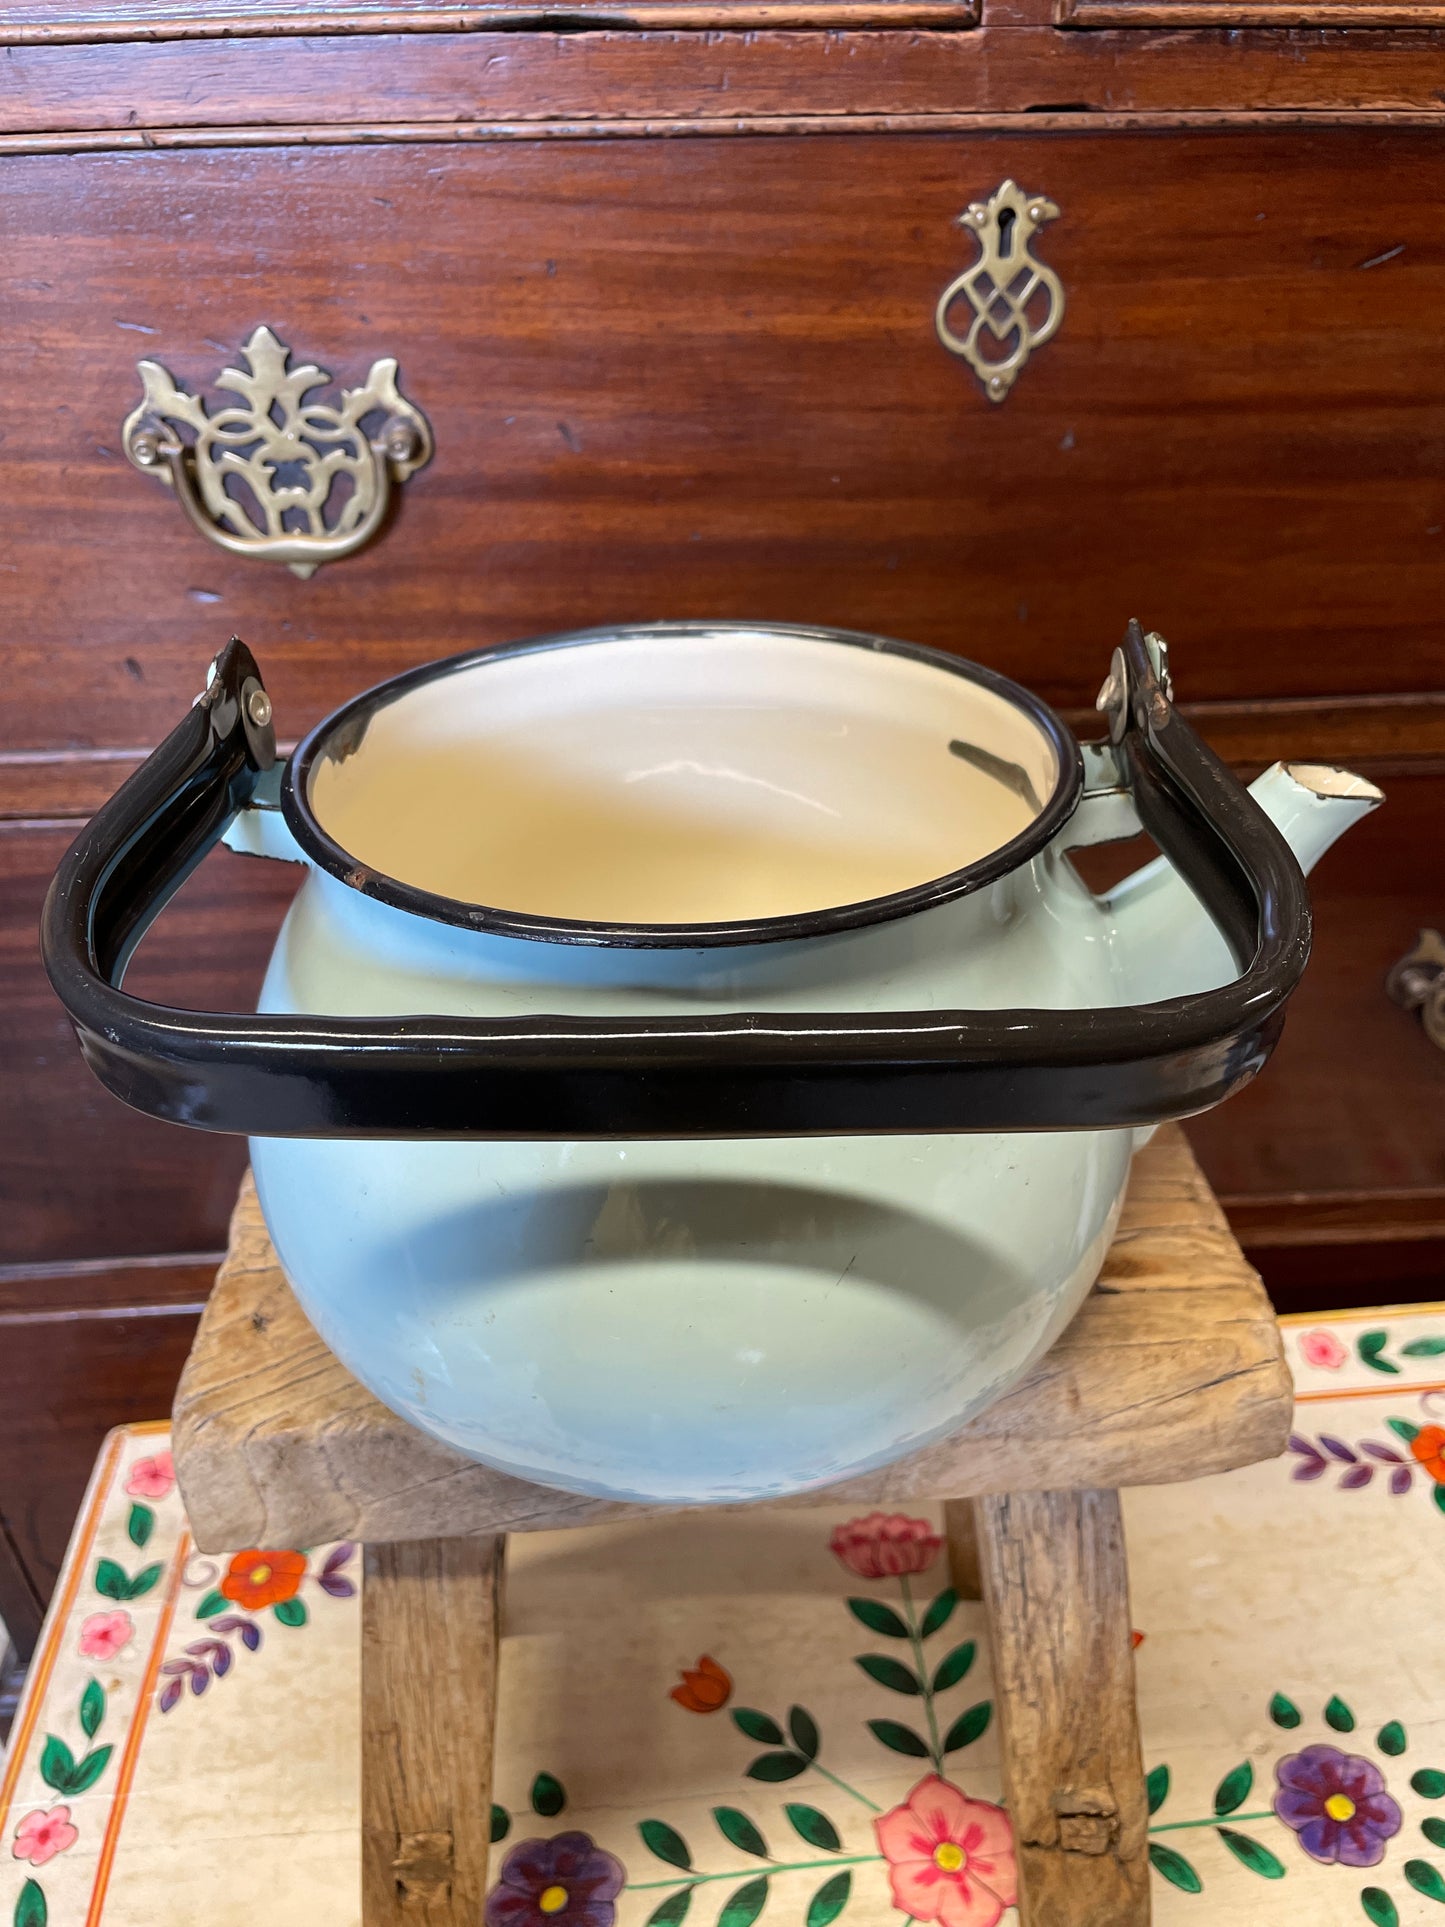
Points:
708	1321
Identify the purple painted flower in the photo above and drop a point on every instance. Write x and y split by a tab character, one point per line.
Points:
567	1881
1337	1804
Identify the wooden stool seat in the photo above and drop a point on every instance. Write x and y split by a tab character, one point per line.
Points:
1172	1369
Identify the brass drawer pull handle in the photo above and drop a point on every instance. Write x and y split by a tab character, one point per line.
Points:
1001	286
1417	982
284	454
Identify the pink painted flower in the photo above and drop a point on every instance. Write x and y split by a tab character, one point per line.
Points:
40	1836
885	1545
104	1634
950	1859
1322	1350
151	1478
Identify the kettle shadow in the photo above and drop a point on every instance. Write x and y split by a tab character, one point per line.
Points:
931	1323
505	1241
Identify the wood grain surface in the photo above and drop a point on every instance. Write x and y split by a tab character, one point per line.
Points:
1172	1369
1056	1584
701	379
87	22
429	1634
1245	14
1240	14
82	1176
1007	65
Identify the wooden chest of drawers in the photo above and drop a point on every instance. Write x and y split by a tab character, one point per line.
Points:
663	278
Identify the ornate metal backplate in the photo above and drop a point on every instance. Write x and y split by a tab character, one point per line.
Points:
1016	301
277	474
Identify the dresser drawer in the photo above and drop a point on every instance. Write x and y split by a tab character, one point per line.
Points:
701	377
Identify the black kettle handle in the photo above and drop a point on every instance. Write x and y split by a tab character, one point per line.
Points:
752	1074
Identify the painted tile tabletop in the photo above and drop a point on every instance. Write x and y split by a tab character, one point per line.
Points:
774	1717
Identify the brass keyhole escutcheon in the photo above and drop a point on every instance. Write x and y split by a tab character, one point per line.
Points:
1015	301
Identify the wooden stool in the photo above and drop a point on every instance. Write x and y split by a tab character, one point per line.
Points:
1173	1369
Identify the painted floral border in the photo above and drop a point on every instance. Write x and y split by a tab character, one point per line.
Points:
84	1739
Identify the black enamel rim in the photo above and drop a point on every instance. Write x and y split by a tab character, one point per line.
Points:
353	719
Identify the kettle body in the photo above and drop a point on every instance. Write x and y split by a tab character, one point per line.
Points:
695	1320
692	1070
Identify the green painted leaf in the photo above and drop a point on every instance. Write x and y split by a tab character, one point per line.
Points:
777	1766
968	1726
757	1726
1403	1429
110	1580
30	1908
57	1763
938	1613
1233	1788
144	1581
1425	1879
891	1673
1175	1868
213	1603
1429	1783
1284	1712
899	1739
1156	1787
1379	1907
1437	1493
952	1669
672	1911
92	1709
1434	1831
1252	1853
814	1827
290	1612
830	1900
1338	1715
1391	1739
879	1618
501	1823
1423	1348
738	1828
804	1729
140	1525
89	1770
745	1905
666	1842
548	1796
1370	1345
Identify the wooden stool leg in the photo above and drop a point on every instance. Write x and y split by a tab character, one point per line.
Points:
960	1530
429	1628
1056	1585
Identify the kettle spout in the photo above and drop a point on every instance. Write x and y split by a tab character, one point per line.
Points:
1313	804
1167	944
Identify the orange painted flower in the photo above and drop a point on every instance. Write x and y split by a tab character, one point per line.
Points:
950	1859
706	1688
1428	1446
258	1578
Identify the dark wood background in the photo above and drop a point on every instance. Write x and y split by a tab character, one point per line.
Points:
666	297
